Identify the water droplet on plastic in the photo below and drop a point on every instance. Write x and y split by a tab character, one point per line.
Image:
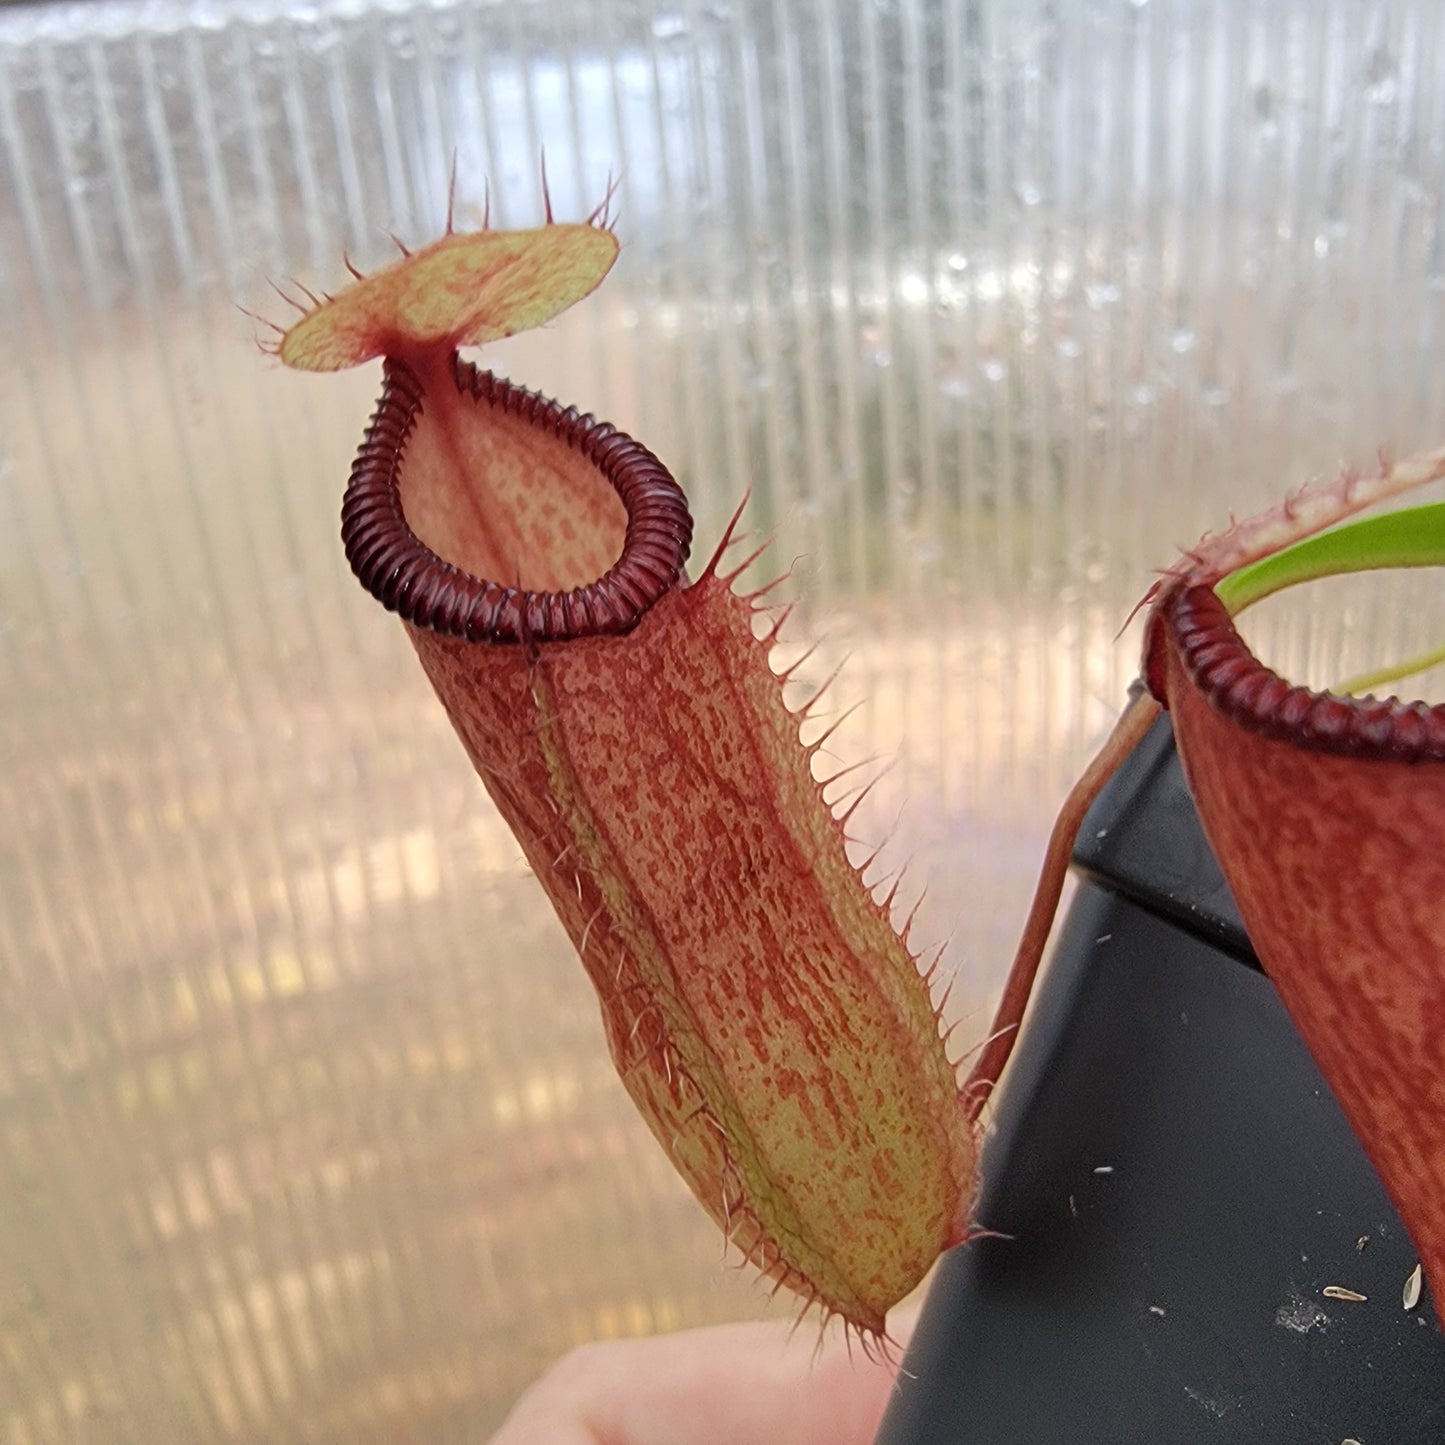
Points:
958	262
1322	246
401	40
322	40
1029	194
1382	80
1069	346
1215	396
1182	340
1143	394
954	385
913	289
1101	293
995	369
1413	193
875	350
669	25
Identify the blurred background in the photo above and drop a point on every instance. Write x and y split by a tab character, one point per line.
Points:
307	1130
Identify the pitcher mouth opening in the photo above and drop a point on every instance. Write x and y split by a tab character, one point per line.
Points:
1221	666
407	577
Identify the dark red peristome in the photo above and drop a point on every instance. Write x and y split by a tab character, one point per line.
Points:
408	578
1328	818
1221	667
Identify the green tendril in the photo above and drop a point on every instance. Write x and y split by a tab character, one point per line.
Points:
1410	537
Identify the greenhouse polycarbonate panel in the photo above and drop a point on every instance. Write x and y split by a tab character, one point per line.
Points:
304	1103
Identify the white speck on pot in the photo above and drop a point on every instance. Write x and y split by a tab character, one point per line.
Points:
1300	1315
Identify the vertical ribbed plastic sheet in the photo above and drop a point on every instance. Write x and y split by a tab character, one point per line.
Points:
307	1130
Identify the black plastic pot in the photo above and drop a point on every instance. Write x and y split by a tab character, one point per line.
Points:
1177	1190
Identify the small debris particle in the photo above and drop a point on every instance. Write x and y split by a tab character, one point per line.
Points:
1103	1169
1102	833
1157	1310
1073	1208
1103	938
1338	1291
1361	1242
1349	1440
1411	1296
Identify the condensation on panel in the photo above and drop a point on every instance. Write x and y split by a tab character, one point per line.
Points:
304	1104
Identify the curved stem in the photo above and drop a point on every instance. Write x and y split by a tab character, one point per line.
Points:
1136	720
1396	672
